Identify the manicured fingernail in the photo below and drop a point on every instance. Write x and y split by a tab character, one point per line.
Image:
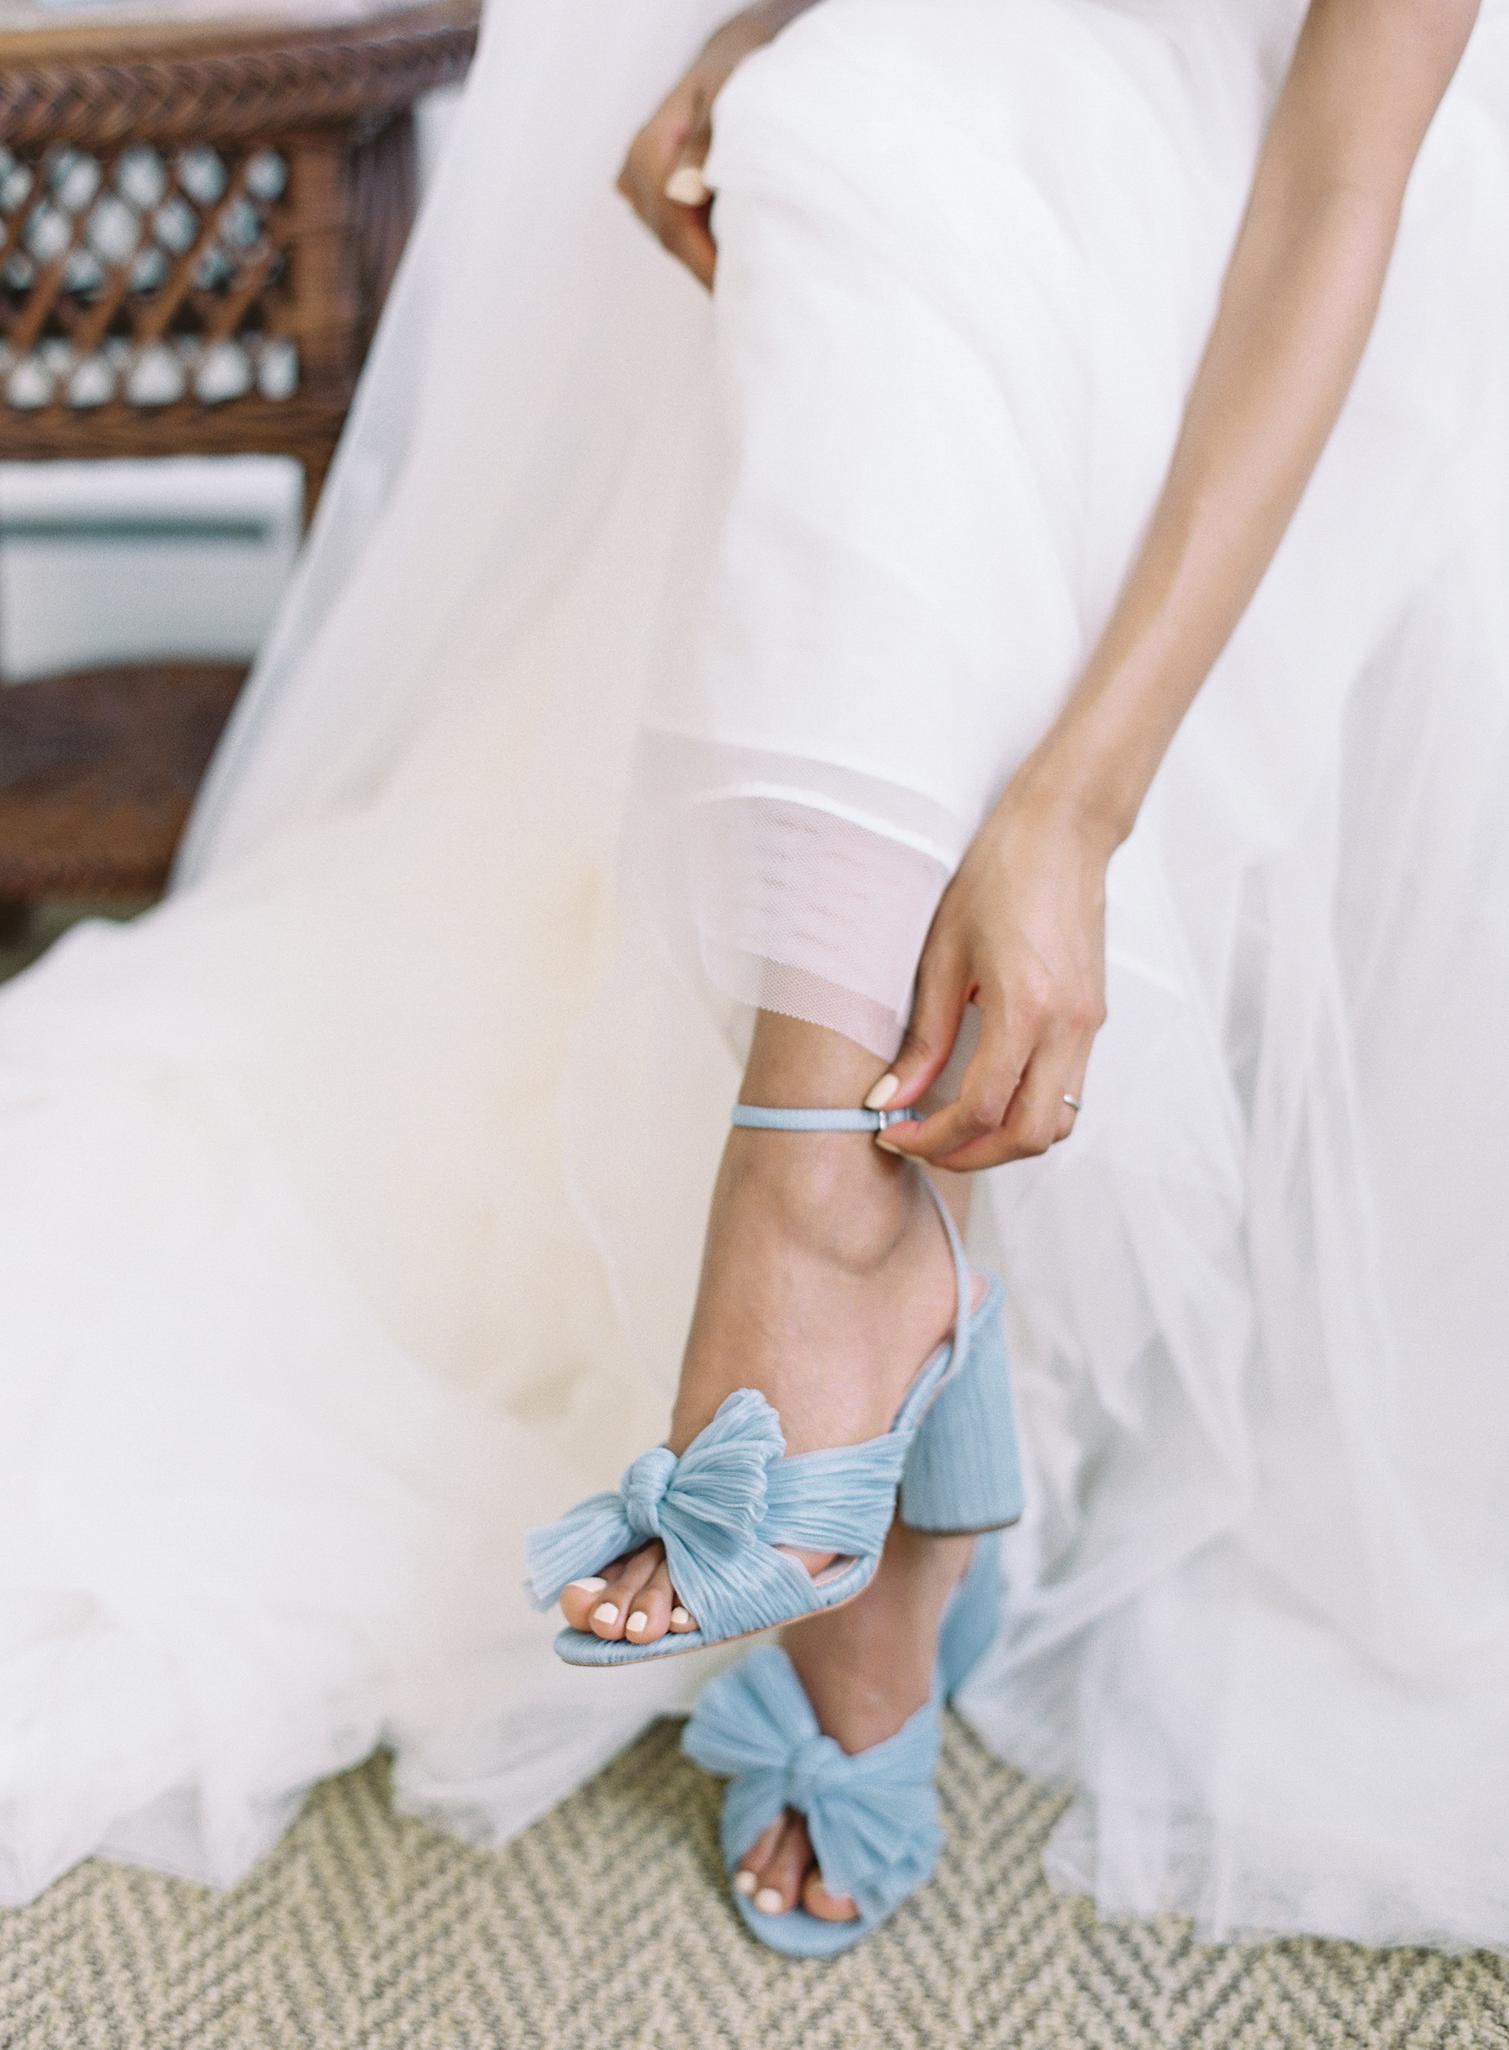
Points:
882	1093
745	1883
886	1146
638	1623
592	1585
768	1901
605	1612
680	1618
687	186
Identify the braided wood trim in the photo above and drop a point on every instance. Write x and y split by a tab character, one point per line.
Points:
302	425
327	78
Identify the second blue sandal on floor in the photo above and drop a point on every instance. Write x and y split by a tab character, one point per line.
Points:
872	1816
725	1507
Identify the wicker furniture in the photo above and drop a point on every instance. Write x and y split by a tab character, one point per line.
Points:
201	206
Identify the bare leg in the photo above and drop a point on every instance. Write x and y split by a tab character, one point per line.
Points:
825	1282
866	1667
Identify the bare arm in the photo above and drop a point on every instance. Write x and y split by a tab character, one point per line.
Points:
1020	930
1298	305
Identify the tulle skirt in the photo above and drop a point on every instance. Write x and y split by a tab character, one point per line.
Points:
658	661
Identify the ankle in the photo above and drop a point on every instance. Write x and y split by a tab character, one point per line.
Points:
869	1665
831	1194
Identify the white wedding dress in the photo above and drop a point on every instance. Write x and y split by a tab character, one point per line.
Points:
653	658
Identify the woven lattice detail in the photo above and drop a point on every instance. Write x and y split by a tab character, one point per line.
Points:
200	216
143	275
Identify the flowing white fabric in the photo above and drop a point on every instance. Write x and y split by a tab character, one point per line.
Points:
349	1203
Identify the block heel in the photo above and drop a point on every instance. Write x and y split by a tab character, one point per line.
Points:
963	1469
972	1618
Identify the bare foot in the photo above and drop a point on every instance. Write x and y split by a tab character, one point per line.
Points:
826	1282
866	1667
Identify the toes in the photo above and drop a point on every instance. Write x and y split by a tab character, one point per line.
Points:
778	1870
753	1863
782	1874
582	1597
827	1907
649	1613
610	1607
612	1603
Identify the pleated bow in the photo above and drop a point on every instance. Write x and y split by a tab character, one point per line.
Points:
872	1815
706	1507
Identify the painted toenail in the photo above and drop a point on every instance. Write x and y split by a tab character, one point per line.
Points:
745	1883
769	1901
605	1612
590	1586
637	1623
680	1618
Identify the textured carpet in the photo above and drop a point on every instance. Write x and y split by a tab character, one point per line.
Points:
606	1928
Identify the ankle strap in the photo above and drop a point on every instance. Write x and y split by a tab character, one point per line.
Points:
757	1118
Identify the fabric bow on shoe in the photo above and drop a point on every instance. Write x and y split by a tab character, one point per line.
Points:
872	1815
706	1506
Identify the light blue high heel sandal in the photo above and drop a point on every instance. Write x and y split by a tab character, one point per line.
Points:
725	1506
872	1815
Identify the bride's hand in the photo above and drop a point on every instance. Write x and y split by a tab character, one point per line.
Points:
1020	933
662	174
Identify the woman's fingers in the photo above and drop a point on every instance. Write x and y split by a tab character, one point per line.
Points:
1020	933
989	1086
686	185
663	182
1037	1116
690	202
1074	1086
1012	1103
687	234
937	1014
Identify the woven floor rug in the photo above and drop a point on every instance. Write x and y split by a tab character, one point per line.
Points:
606	1928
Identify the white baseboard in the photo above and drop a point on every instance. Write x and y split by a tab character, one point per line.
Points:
127	561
